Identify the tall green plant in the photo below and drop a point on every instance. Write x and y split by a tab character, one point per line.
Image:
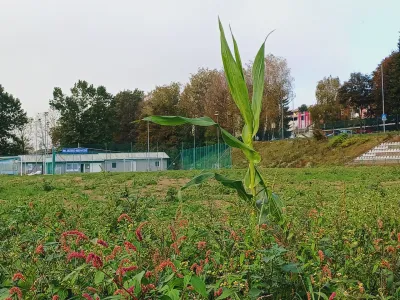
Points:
252	187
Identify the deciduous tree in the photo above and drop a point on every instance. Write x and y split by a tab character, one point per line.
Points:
12	119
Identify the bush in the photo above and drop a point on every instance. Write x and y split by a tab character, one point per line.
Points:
319	135
338	140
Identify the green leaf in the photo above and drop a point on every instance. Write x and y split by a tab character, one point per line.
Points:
98	277
254	293
225	294
173	294
235	79
275	205
234	184
198	179
237	54
177	120
258	87
293	268
250	153
229	139
199	286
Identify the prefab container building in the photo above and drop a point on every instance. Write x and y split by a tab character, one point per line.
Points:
85	163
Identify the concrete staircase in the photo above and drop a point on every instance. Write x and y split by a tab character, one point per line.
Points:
385	153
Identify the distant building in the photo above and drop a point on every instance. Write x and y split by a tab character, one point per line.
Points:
299	122
84	163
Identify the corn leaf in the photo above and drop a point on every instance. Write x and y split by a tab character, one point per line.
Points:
177	120
235	79
237	54
229	139
250	153
272	201
258	87
234	184
198	179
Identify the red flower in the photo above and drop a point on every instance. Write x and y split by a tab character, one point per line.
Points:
87	296
164	264
321	255
55	297
124	217
147	287
102	243
148	274
95	260
18	276
76	233
91	289
173	233
129	246
332	296
72	255
122	270
39	249
201	245
16	291
139	231
218	292
196	268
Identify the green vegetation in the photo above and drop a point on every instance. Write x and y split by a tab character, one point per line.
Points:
341	236
336	151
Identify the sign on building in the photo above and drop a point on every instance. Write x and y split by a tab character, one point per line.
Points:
74	151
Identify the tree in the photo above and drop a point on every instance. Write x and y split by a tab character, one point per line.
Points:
127	105
357	92
303	108
327	90
23	137
12	119
163	100
86	116
391	78
328	108
194	101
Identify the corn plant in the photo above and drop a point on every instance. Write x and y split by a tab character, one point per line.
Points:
252	187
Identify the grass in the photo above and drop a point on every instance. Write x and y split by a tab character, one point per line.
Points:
311	153
340	235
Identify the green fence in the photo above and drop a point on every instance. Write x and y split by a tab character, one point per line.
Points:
217	156
373	124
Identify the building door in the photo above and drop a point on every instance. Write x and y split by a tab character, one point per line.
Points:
87	168
82	168
133	165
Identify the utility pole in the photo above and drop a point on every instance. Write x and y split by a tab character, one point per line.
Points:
282	119
383	101
194	146
148	146
217	114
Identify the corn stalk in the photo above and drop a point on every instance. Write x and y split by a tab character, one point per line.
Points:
252	187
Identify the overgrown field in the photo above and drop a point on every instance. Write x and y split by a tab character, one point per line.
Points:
127	236
302	152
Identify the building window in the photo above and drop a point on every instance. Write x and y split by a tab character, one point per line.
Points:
157	163
114	165
72	167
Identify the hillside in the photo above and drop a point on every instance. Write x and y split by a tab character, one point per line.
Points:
310	152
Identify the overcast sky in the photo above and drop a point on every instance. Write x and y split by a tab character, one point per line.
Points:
141	44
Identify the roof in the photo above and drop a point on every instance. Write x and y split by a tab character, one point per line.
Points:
96	157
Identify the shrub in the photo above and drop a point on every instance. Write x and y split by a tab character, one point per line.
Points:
337	140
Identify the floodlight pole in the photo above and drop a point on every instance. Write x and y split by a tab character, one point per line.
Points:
217	115
383	100
148	146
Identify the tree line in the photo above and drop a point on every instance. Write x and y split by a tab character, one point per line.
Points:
90	115
360	95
